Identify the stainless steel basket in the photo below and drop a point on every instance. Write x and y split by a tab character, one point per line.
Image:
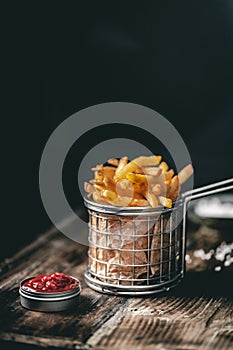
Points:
139	250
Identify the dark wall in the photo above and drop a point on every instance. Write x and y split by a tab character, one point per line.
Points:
173	56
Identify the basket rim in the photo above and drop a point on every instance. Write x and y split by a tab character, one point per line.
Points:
130	211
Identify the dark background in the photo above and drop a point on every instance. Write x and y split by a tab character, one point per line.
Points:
172	56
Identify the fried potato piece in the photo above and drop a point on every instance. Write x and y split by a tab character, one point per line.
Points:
97	198
168	175
160	180
136	178
141	178
125	188
99	187
157	190
89	188
139	170
97	183
139	190
121	201
135	163
185	173
97	167
166	202
152	199
98	175
108	195
108	171
122	163
139	202
113	161
174	188
109	183
155	171
147	161
164	166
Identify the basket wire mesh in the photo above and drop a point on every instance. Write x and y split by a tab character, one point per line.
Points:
134	253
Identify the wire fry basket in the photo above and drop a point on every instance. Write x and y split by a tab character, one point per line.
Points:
139	250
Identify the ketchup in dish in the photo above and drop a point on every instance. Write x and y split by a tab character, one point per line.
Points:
51	283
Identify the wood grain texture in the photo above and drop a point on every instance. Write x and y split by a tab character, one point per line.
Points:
198	314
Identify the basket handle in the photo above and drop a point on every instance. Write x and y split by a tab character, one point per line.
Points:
207	190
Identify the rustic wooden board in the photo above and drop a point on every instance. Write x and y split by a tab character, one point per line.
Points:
198	314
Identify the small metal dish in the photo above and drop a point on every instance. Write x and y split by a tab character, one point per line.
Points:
49	302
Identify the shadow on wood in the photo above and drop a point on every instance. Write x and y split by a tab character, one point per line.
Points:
206	283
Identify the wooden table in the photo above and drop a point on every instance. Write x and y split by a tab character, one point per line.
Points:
198	314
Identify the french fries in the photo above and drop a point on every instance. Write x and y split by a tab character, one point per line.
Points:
152	199
156	189
125	188
88	187
121	165
141	178
166	202
163	166
174	188
154	171
113	161
108	195
142	182
134	164
139	202
185	173
168	175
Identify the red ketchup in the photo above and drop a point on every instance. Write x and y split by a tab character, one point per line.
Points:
56	282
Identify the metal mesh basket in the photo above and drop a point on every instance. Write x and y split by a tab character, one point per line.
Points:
140	250
134	250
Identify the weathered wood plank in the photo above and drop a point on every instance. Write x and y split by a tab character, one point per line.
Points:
184	324
42	342
198	314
